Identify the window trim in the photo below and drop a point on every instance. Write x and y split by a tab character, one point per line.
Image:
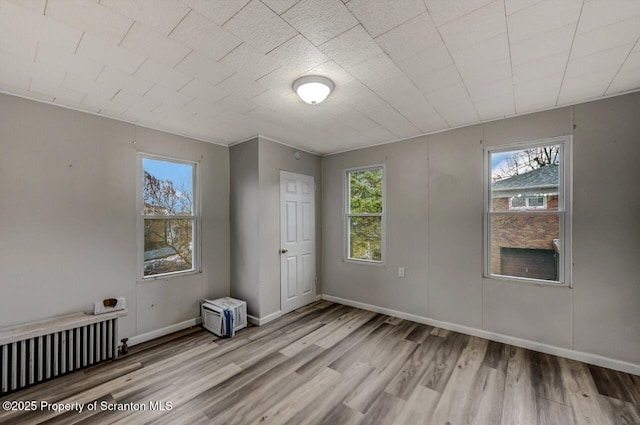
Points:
563	212
197	218
346	216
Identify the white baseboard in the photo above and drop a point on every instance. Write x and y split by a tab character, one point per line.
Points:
505	339
259	321
139	339
318	297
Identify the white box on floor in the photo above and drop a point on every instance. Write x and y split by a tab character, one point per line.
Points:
224	316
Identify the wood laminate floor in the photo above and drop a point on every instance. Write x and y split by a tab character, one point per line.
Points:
331	364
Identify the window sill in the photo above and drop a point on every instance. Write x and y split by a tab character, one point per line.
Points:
168	276
364	262
524	281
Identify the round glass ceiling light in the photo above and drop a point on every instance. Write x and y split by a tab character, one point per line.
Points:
313	89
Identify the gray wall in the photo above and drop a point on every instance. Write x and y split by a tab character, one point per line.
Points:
255	219
274	157
68	217
435	227
245	225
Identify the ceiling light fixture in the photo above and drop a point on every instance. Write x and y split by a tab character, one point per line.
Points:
313	89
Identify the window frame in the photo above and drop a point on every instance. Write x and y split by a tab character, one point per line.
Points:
563	212
196	217
347	216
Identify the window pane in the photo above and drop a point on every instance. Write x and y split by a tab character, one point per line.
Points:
525	246
525	179
365	191
168	245
365	238
168	188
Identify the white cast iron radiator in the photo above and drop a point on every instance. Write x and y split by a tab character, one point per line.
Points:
42	350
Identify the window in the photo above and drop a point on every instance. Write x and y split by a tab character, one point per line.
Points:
526	200
365	214
529	202
169	216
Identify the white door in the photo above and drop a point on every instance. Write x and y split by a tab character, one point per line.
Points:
297	241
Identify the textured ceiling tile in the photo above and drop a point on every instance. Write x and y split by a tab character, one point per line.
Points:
586	86
45	86
298	54
544	67
86	85
249	62
500	88
628	78
542	17
203	35
450	96
77	106
495	108
420	30
36	6
219	11
104	105
142	116
550	83
444	11
333	71
201	90
162	75
174	113
90	17
598	61
204	68
242	85
236	104
514	6
375	69
320	20
486	51
159	15
547	44
438	79
124	81
260	27
25	23
17	71
391	120
131	99
51	74
17	45
25	93
379	16
486	72
100	51
456	117
597	14
53	57
198	106
423	62
153	45
607	37
536	101
164	95
352	47
280	6
479	25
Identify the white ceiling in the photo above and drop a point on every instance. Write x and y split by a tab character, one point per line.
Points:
221	70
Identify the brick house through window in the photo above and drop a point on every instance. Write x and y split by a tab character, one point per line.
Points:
526	245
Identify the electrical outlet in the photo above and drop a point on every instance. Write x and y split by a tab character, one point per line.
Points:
400	271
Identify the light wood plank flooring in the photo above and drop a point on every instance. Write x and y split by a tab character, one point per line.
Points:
332	364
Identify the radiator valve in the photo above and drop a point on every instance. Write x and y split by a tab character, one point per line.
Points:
123	348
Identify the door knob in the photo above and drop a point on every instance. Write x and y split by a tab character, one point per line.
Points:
284	250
